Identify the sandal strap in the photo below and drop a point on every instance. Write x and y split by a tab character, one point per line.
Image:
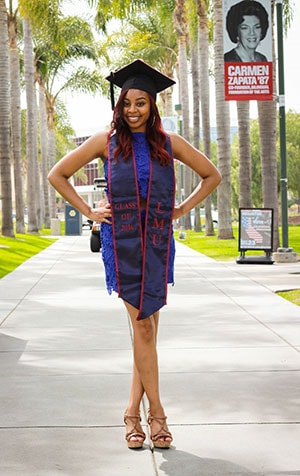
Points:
162	432
131	417
134	432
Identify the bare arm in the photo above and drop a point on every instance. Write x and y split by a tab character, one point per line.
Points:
198	162
95	146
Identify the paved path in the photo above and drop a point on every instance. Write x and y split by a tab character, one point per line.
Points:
229	351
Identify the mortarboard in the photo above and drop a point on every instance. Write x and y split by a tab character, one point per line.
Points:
139	75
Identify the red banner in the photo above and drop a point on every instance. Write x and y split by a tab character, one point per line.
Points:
248	81
248	67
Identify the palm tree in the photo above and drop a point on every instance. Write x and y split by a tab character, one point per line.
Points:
5	168
56	59
33	189
44	152
267	132
202	11
15	92
149	36
182	38
223	130
245	196
193	38
194	53
58	42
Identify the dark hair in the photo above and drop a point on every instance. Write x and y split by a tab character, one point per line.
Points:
235	17
155	133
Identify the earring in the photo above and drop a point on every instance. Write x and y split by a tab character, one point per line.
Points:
153	121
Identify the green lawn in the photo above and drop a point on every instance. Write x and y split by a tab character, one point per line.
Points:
292	296
14	251
227	250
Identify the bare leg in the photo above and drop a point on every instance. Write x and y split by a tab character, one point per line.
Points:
137	389
145	370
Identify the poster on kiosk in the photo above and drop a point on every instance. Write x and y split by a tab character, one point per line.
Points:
248	66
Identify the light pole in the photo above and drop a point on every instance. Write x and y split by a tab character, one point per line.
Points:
178	109
285	254
282	128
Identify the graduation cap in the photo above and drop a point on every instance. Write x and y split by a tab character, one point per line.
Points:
138	75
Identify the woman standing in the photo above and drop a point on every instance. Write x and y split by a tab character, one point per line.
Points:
136	223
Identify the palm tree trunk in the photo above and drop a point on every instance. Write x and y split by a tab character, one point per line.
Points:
223	130
44	154
31	128
202	10
194	53
5	166
267	130
181	29
15	82
51	149
243	110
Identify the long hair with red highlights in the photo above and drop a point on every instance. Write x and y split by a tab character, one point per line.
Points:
155	134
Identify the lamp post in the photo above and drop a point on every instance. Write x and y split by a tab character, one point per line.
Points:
285	254
178	109
282	127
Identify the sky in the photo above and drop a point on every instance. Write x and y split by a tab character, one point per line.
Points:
90	114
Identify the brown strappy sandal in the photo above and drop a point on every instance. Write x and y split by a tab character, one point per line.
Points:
134	432
157	440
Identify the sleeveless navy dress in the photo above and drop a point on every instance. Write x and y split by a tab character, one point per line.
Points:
141	153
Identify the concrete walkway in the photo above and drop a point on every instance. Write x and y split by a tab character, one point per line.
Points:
229	351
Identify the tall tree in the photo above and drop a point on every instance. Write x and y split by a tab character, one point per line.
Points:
267	128
204	36
193	37
44	153
15	80
182	38
223	129
245	196
148	35
5	168
56	59
33	201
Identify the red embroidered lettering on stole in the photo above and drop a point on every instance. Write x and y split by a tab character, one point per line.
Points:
158	210
156	239
158	224
127	227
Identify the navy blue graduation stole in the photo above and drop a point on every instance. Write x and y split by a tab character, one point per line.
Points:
141	252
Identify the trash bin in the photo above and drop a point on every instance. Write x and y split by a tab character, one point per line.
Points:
55	226
73	221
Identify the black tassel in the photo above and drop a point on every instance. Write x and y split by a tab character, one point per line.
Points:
112	95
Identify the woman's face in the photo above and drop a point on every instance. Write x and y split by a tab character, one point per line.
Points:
136	110
249	32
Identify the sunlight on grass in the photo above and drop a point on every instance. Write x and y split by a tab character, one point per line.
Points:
14	251
292	296
227	250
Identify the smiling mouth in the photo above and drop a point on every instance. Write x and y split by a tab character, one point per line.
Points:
133	119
